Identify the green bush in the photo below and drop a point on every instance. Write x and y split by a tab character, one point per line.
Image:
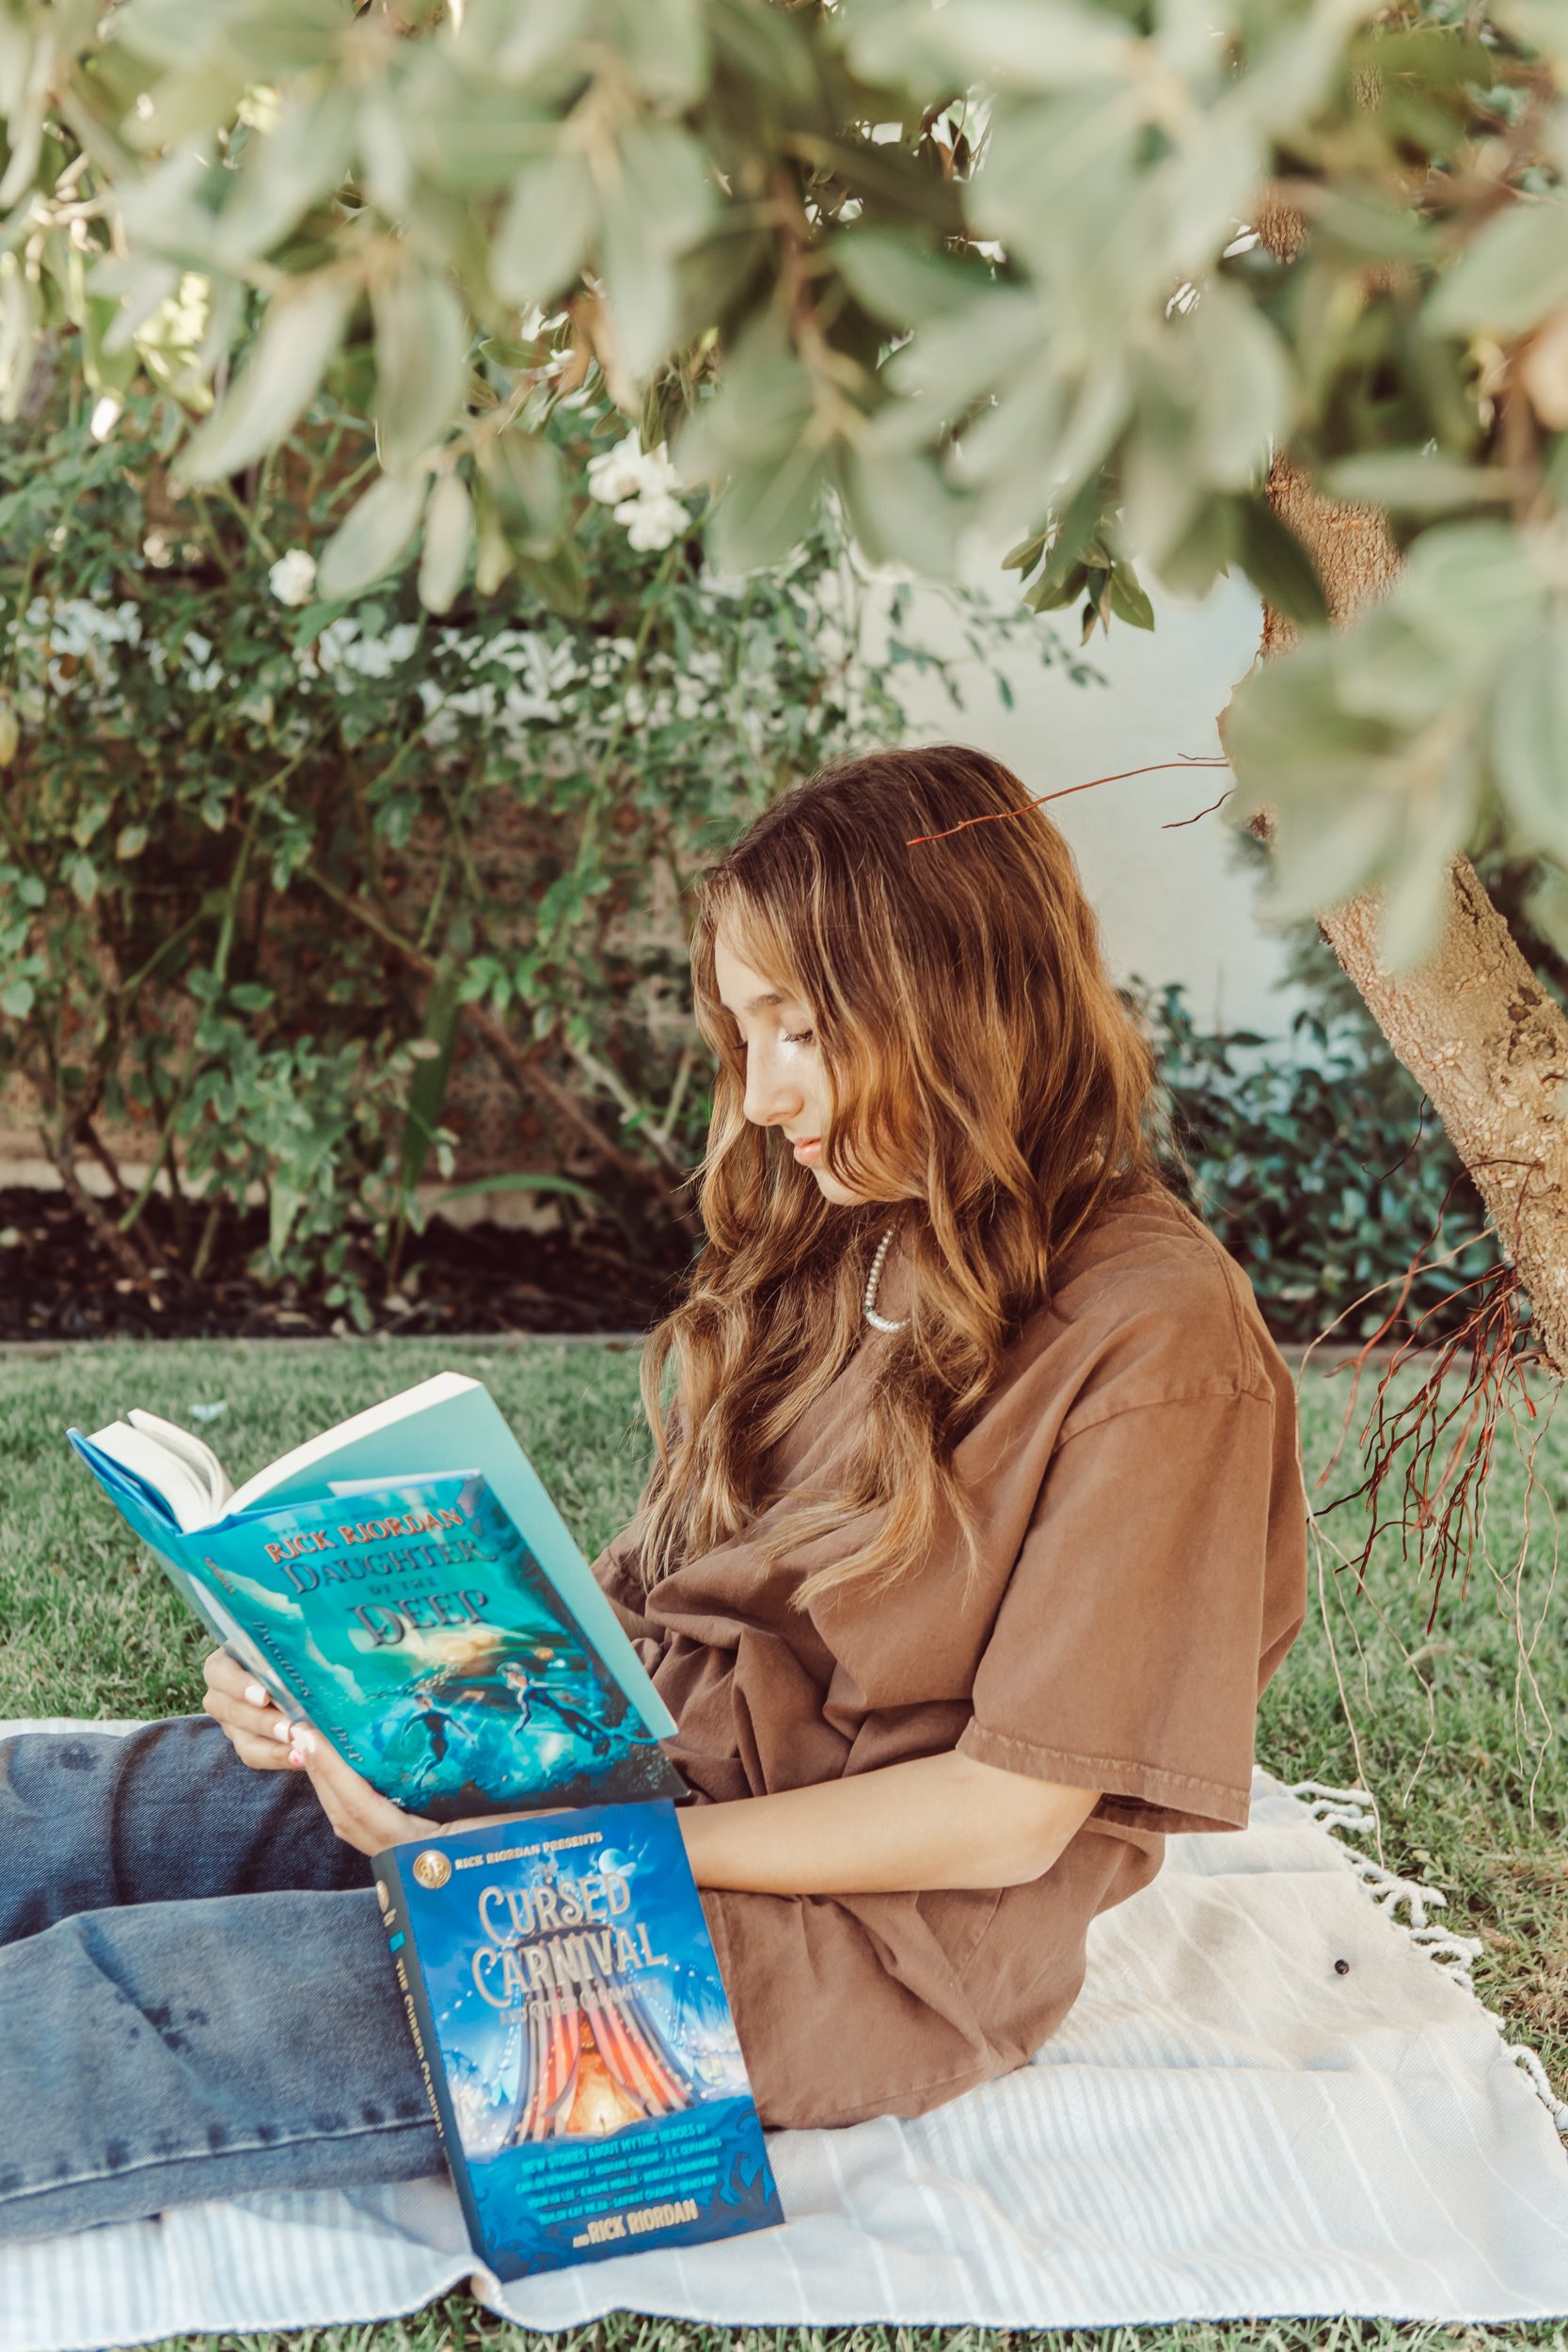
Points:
1321	1169
264	857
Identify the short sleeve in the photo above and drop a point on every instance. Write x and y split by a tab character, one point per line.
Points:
1158	1575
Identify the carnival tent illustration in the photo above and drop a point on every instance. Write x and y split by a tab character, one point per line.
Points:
594	2058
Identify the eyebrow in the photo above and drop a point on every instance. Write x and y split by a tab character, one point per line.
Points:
769	996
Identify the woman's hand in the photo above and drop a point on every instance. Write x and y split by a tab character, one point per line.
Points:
266	1739
258	1733
359	1815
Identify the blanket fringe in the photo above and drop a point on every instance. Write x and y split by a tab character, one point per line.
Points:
1356	1809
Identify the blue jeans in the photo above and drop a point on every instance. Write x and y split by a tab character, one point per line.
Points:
195	1995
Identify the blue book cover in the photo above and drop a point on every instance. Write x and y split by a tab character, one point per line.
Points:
578	2047
407	1616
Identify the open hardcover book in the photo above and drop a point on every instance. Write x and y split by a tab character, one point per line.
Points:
405	1582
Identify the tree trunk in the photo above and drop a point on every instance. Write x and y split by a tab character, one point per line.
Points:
1473	1025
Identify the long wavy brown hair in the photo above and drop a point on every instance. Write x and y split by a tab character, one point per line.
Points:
990	1092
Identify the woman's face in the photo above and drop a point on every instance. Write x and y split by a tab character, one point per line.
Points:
787	1085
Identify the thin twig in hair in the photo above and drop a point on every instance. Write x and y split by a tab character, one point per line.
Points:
1067	790
1174	824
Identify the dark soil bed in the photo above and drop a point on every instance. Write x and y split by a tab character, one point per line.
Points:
61	1280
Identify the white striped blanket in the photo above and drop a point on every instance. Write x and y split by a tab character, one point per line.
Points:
1228	2125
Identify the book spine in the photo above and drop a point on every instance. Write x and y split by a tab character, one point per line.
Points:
283	1694
404	1954
295	1698
188	1585
184	1562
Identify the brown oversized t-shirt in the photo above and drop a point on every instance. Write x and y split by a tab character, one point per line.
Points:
1141	1531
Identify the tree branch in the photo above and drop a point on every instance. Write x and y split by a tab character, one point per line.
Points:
523	1066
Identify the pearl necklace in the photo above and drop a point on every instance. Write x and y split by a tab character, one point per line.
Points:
880	1322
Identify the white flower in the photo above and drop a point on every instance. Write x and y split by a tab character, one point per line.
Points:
292	577
198	671
340	646
537	322
617	474
628	470
333	642
77	626
475	702
641	485
399	641
659	478
652	522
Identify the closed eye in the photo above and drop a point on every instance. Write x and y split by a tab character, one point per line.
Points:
799	1037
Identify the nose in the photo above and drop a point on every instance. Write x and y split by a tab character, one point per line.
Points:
773	1098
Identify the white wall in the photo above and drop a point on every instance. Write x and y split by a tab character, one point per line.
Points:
1173	905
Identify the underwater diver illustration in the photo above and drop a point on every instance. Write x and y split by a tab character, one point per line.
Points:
451	1713
436	1719
434	1723
530	1696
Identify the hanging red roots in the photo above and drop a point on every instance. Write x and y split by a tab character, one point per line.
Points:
1427	1460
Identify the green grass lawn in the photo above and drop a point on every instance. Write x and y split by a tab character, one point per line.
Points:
1458	1733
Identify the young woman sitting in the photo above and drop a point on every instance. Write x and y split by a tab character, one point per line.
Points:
975	1529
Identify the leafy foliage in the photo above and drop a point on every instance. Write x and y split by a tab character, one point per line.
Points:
1322	1170
270	859
993	262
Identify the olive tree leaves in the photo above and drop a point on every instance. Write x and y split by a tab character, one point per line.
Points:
978	266
279	375
1438	718
329	190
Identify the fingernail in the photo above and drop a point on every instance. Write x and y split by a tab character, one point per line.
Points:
294	1757
305	1741
282	1731
254	1695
